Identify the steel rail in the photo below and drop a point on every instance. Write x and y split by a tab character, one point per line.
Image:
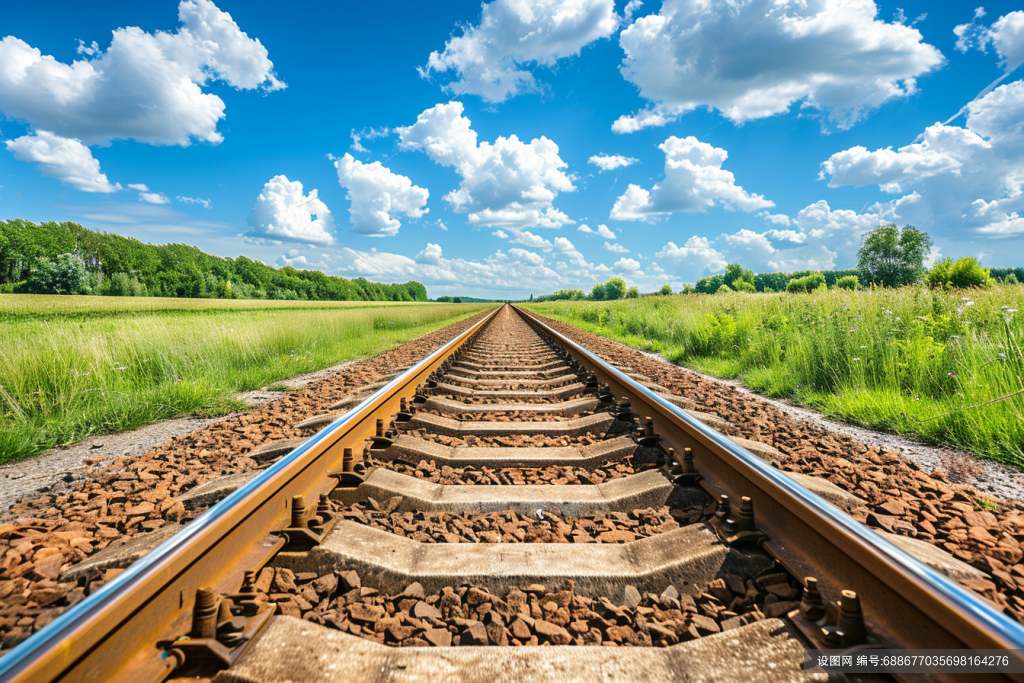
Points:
906	603
114	633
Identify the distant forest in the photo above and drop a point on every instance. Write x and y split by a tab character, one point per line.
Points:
65	258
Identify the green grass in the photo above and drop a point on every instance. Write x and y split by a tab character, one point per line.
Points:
67	373
52	306
944	366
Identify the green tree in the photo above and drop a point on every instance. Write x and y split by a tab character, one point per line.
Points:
597	293
65	274
892	257
632	293
665	290
743	286
614	288
965	273
734	273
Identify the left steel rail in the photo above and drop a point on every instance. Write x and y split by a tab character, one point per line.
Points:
113	634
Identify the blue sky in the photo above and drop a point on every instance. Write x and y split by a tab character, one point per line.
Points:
480	149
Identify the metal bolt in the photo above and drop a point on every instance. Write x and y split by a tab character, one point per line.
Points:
851	620
248	582
743	520
724	509
204	614
298	510
347	458
687	461
323	507
380	427
403	404
649	427
812	606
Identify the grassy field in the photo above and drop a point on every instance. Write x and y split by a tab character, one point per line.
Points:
51	306
945	366
71	367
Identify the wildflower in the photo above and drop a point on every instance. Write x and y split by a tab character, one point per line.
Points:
856	359
851	331
950	374
863	346
120	367
917	398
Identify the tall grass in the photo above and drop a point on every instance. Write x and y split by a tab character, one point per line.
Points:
946	366
63	378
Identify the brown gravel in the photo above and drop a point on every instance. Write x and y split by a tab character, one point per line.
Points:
528	615
558	475
510	527
900	498
508	416
125	496
515	441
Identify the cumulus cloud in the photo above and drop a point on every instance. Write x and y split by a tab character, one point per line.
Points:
616	247
696	257
602	230
282	213
145	195
694	181
830	55
205	203
961	180
528	239
509	183
566	248
145	86
377	195
492	59
500	234
610	163
67	160
1006	35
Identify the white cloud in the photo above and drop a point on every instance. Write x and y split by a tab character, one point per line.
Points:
525	256
377	195
508	184
775	218
694	181
69	161
602	230
491	58
566	248
145	86
528	239
145	195
616	247
610	163
831	55
368	134
962	181
283	214
697	257
627	265
500	234
441	225
295	259
1006	34
205	203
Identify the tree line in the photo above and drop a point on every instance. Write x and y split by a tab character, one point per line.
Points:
65	258
889	256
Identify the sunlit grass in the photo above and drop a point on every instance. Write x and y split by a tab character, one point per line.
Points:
66	378
945	366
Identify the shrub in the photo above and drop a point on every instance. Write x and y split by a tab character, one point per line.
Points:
123	284
968	273
734	274
9	287
807	283
1010	279
743	286
724	289
632	293
687	288
665	290
965	273
65	274
710	285
848	282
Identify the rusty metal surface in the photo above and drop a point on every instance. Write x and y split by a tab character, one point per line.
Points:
906	603
113	634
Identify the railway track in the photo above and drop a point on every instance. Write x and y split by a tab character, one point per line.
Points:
514	491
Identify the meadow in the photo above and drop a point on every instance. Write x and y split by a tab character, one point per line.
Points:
945	366
72	367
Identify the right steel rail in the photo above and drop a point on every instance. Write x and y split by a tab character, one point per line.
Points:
906	603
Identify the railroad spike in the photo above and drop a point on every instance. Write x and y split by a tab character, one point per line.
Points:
688	476
812	606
